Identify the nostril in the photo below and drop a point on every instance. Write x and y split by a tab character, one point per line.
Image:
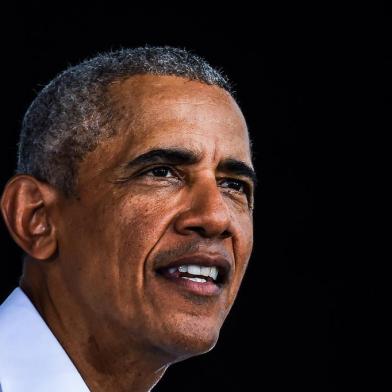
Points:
199	230
206	233
225	234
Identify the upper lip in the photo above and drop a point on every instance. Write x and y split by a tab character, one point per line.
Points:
202	259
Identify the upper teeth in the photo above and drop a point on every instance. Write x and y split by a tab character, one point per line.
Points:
198	270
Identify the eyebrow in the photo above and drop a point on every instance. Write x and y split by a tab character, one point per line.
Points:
183	156
239	168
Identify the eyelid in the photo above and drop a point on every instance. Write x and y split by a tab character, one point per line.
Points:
160	165
246	184
248	187
248	190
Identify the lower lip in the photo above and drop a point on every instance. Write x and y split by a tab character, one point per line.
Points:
202	289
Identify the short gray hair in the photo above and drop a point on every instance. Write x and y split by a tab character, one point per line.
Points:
73	113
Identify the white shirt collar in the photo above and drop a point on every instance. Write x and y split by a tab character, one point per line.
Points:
31	358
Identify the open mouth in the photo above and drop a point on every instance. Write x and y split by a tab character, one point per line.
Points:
202	277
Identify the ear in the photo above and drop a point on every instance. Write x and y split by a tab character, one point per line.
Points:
26	204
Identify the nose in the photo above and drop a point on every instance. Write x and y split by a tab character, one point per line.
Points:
208	215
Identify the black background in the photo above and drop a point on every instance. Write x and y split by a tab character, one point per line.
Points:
295	69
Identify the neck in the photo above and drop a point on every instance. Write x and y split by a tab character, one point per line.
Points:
107	358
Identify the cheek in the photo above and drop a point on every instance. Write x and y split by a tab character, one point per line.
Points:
136	234
127	221
119	237
242	247
111	234
142	221
243	238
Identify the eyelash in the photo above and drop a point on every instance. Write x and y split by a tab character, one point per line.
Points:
242	184
157	168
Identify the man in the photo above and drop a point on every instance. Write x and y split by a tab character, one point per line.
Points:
133	204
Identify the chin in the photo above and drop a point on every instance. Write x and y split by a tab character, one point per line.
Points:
185	340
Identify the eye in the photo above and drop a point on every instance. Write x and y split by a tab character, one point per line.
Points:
160	171
237	185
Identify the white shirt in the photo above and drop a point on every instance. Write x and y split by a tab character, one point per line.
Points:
31	358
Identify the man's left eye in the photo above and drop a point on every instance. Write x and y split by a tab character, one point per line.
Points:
236	185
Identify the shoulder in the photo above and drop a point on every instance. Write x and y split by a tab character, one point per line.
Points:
31	358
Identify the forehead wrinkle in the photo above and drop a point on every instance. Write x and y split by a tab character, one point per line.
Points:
174	117
140	94
148	96
152	99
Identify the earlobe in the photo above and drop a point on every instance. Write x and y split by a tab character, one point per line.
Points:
25	206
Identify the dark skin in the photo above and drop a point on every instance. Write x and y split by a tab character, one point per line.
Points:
91	267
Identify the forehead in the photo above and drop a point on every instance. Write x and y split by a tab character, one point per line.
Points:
157	109
148	92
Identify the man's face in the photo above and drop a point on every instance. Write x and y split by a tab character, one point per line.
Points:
169	191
